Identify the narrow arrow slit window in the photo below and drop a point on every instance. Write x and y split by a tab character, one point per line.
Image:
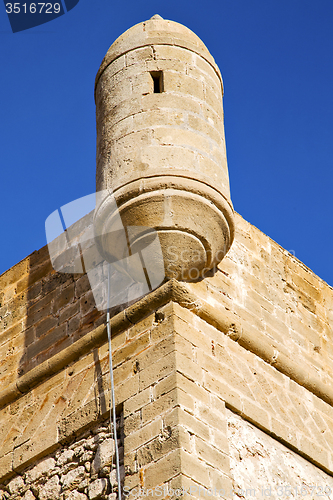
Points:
157	77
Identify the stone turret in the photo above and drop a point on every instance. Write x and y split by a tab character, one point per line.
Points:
161	145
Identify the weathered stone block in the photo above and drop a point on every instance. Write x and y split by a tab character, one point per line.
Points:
97	488
165	100
77	420
139	55
163	470
76	495
6	465
211	455
104	455
41	469
127	389
173	53
165	403
65	297
136	346
137	401
65	457
50	490
28	495
181	137
14	273
73	478
159	370
16	485
143	435
132	423
45	325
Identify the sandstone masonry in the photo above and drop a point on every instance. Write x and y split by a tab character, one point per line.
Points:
223	382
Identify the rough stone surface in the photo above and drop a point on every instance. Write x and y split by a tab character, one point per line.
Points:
62	477
263	468
15	485
43	468
73	478
75	495
65	457
28	495
51	489
97	488
104	455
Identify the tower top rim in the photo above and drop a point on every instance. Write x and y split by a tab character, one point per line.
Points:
156	31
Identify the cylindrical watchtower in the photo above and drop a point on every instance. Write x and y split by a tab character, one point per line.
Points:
161	145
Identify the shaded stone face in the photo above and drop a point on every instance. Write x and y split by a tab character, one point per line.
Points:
161	145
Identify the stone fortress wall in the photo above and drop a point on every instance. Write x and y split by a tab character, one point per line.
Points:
242	340
222	384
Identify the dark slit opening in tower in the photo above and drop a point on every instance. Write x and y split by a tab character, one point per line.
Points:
157	77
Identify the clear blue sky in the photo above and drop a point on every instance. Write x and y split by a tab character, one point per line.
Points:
276	59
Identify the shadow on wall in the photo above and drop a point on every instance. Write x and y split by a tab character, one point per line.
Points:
64	306
60	309
41	313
